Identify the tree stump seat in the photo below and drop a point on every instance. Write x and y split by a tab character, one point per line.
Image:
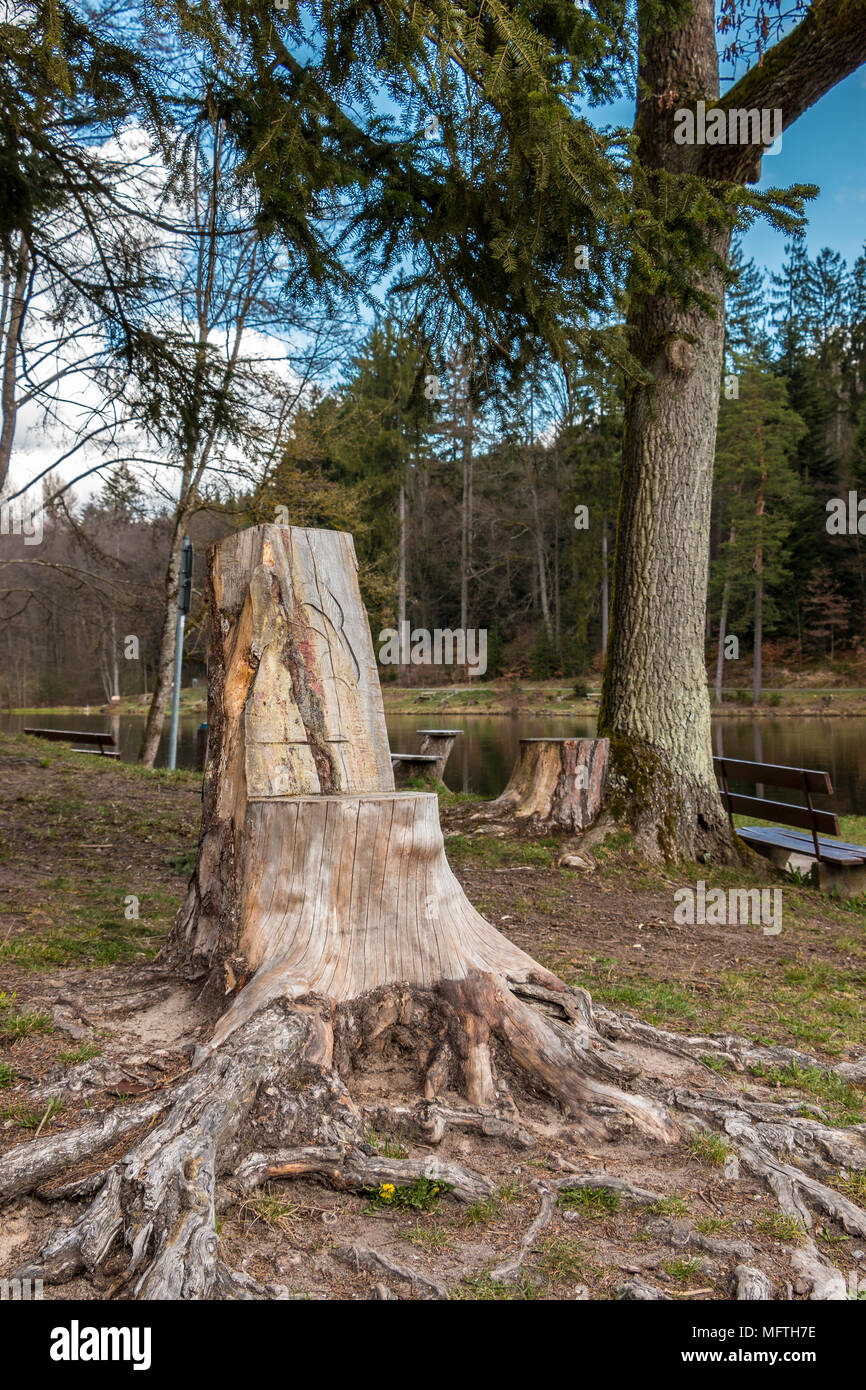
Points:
431	758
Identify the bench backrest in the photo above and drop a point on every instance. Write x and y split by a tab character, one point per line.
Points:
803	779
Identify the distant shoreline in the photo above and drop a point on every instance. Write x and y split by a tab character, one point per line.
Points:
526	700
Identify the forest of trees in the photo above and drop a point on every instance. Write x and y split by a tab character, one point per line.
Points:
521	487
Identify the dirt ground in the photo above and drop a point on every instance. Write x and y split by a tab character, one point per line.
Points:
93	861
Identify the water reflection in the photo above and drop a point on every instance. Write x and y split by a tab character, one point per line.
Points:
483	757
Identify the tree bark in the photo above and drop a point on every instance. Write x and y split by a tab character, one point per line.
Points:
13	321
557	783
655	703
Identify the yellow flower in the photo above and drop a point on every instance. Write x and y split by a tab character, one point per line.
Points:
387	1191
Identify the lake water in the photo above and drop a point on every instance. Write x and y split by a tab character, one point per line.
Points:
483	757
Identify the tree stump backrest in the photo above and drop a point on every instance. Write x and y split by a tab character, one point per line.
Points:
301	678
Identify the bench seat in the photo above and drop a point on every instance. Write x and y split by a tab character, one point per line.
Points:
798	842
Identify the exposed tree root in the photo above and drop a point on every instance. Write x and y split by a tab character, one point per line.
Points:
751	1285
740	1053
354	1171
510	1270
430	1121
359	1257
273	1103
159	1199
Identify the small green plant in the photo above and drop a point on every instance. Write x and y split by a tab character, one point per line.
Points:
709	1149
85	1053
711	1225
852	1184
670	1206
25	1117
560	1257
388	1148
591	1201
825	1085
183	862
719	1064
421	1195
681	1269
14	1025
272	1210
781	1226
485	1287
802	878
479	1213
428	1237
7	1075
511	1191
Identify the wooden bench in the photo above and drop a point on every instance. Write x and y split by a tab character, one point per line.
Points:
836	863
96	742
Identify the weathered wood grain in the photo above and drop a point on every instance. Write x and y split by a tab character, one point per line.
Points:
557	783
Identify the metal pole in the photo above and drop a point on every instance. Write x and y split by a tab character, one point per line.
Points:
175	695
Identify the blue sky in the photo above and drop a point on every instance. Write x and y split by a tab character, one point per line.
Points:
827	147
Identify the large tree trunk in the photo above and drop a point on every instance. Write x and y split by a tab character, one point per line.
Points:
11	323
655	703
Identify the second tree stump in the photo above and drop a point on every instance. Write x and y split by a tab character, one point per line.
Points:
557	783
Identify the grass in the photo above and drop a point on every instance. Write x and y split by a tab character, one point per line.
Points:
26	1117
709	1149
561	1257
85	1053
92	938
478	1213
780	1226
485	1287
682	1270
846	1100
591	1201
15	1024
7	1075
719	1064
670	1206
388	1148
272	1210
711	1225
853	1184
489	852
428	1237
